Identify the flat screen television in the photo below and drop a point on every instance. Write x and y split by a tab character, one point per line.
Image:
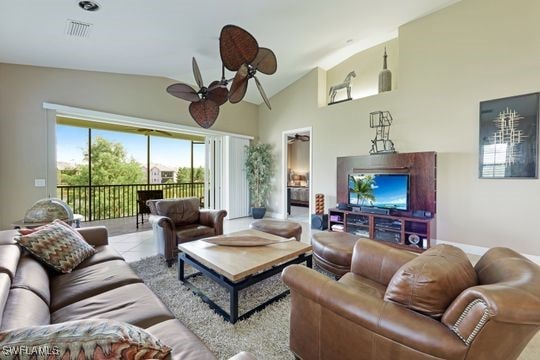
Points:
387	191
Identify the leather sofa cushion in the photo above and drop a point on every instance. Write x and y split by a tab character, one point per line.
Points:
103	253
185	344
361	284
5	283
24	308
334	247
90	281
134	304
33	276
180	211
431	281
191	232
7	237
9	258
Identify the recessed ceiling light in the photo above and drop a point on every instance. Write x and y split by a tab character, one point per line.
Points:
89	5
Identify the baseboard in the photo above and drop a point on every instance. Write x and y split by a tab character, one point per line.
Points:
480	250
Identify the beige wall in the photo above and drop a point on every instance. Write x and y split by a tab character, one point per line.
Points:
448	62
23	123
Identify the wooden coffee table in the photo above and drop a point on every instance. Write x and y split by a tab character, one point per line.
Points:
236	268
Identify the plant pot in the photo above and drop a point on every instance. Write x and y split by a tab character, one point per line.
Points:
258	213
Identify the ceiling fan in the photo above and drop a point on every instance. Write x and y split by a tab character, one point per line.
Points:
239	52
154	132
297	137
205	102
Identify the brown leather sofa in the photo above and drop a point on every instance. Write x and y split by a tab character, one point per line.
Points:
176	221
103	286
349	318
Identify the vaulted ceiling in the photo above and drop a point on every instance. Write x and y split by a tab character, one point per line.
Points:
160	37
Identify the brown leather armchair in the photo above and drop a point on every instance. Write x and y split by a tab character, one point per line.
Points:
349	318
175	221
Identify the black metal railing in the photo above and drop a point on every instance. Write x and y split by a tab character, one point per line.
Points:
103	202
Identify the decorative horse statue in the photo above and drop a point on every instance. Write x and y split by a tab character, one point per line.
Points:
345	84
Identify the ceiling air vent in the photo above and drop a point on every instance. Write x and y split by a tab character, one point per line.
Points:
78	28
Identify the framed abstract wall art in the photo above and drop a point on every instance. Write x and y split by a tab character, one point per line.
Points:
509	137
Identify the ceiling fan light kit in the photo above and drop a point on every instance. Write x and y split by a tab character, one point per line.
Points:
240	53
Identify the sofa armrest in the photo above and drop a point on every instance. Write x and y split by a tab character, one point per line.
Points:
164	231
213	219
338	304
243	356
376	261
95	235
163	222
477	305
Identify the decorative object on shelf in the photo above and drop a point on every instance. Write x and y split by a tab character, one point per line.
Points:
47	210
381	121
319	204
239	52
259	171
509	137
346	84
414	240
385	76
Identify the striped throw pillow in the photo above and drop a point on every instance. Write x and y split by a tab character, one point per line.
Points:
57	245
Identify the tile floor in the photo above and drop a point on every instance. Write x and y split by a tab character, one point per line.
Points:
140	244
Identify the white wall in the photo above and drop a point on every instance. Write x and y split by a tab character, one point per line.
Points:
448	62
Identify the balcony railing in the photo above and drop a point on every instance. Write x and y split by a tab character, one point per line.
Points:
103	202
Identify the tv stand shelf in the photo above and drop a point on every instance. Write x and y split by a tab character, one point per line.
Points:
413	234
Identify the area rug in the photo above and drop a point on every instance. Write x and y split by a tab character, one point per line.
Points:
265	334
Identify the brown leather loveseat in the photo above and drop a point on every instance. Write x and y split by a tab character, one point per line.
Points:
103	286
175	221
353	319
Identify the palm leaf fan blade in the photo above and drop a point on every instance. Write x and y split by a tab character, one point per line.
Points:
218	93
263	94
184	92
197	73
265	61
239	85
236	47
204	112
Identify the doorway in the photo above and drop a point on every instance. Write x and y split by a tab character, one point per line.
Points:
297	185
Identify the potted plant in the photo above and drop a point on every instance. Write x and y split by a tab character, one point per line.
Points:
259	170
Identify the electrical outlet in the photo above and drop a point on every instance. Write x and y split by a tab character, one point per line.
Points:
39	183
